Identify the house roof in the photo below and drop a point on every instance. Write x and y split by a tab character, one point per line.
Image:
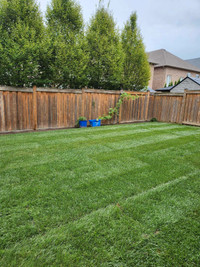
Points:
165	89
196	80
152	62
166	59
194	61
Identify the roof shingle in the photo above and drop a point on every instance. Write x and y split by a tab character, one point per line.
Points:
194	61
197	80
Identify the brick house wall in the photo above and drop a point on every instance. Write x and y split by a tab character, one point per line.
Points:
152	75
161	73
159	78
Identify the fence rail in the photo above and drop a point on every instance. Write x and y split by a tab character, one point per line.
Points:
41	108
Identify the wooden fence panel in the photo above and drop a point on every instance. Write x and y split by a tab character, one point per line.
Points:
57	109
15	111
177	108
135	110
98	103
167	107
191	114
39	108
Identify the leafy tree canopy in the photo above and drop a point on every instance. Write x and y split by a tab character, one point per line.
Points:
105	51
64	15
136	73
21	36
68	59
25	12
60	54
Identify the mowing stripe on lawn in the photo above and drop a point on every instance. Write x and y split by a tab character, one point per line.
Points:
67	139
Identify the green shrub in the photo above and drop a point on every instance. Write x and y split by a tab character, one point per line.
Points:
153	120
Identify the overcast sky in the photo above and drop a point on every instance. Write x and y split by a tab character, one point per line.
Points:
170	24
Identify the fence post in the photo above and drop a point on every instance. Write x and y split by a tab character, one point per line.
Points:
2	112
83	103
183	106
34	107
147	107
120	108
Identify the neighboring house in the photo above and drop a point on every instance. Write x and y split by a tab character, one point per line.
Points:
194	61
188	83
169	68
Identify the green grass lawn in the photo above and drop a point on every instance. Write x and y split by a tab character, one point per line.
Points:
123	195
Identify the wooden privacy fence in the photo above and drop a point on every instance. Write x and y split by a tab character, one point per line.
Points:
178	108
39	108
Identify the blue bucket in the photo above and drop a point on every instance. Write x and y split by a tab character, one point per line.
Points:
82	124
95	123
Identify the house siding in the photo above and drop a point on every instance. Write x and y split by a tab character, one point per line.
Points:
186	84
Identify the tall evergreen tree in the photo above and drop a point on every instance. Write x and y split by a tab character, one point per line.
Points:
68	58
136	67
21	36
105	51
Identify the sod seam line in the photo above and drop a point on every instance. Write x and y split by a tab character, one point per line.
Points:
143	194
158	188
140	195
